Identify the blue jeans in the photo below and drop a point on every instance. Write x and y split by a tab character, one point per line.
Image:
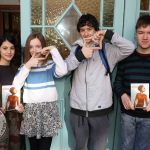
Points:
135	133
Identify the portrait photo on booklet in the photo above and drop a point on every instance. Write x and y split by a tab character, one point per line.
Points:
10	97
140	95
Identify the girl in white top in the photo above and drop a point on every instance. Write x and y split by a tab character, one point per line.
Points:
36	76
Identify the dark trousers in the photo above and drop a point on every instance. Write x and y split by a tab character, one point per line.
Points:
44	143
90	131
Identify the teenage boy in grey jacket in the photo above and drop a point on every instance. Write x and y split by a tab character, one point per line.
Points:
91	92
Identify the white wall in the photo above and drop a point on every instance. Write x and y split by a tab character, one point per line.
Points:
9	2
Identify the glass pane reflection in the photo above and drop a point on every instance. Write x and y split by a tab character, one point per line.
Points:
144	13
67	26
35	30
144	4
54	9
89	6
52	38
36	12
108	13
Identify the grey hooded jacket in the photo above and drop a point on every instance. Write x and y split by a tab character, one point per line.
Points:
91	88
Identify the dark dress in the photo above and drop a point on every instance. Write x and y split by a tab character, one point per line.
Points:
12	139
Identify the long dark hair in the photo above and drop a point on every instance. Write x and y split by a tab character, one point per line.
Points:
12	40
8	38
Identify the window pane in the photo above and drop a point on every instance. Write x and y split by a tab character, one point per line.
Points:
144	13
52	38
36	12
108	13
67	26
54	10
35	30
144	4
89	6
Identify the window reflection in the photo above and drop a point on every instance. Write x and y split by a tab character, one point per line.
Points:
67	26
144	5
36	12
52	38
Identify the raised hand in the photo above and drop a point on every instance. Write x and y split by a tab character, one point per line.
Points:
98	37
86	50
46	50
127	102
34	61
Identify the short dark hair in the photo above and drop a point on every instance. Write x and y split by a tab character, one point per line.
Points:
89	20
143	21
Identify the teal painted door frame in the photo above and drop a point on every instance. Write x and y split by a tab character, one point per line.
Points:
131	14
124	24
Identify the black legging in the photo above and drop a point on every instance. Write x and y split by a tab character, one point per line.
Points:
44	143
22	142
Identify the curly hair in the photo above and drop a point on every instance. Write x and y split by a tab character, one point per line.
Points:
89	20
